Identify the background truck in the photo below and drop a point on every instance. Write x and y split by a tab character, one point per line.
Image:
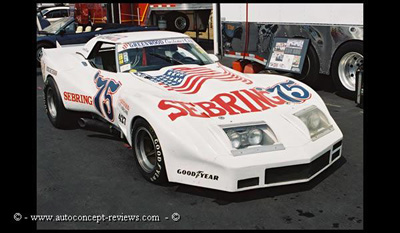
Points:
334	33
179	17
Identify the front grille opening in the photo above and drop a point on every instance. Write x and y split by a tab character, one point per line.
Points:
337	145
296	172
248	182
335	155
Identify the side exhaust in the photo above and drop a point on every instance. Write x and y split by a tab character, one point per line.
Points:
98	126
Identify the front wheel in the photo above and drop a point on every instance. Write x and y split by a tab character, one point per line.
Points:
147	152
347	59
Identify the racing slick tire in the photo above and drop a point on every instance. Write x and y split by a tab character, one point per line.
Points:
148	153
55	110
345	63
177	22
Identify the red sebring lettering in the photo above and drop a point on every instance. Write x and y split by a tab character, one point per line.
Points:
190	108
211	109
275	99
78	98
228	105
224	103
167	104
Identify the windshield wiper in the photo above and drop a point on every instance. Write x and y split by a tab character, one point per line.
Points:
168	59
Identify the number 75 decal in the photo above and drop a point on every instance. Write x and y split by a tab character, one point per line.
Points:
103	100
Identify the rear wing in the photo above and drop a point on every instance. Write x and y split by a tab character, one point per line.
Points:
63	57
69	45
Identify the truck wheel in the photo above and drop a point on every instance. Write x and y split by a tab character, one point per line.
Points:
345	63
178	22
147	152
310	72
55	110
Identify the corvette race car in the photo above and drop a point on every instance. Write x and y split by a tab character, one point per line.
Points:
188	118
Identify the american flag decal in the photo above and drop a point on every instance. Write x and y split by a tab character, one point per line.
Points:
188	80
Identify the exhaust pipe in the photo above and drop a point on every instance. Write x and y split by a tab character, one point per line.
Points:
98	126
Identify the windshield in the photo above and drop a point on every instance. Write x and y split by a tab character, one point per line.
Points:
56	26
156	54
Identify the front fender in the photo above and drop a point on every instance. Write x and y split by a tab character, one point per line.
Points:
185	140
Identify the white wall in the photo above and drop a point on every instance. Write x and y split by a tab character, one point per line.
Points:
295	13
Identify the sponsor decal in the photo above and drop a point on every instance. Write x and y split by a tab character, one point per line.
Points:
121	58
239	101
123	106
189	80
141	44
122	119
78	98
197	174
103	100
112	37
51	71
159	160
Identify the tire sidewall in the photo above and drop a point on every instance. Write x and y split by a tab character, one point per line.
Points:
63	119
310	70
158	175
171	17
51	85
352	46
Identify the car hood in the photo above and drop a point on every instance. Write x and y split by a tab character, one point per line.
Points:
193	83
200	99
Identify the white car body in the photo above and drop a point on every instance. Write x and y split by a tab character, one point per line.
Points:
195	147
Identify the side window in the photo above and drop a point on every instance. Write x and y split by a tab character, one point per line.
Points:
103	57
64	13
55	14
49	15
70	28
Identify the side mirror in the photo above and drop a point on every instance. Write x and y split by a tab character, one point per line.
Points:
213	57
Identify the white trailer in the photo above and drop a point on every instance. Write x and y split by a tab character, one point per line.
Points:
334	34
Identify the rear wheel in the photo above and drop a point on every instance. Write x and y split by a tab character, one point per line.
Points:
147	152
347	59
55	110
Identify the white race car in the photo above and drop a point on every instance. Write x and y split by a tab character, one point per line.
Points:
188	118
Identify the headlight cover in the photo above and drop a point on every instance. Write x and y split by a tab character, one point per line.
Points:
251	138
315	121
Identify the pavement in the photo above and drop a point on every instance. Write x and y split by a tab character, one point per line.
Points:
81	172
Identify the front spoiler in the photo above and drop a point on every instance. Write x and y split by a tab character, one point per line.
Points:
284	167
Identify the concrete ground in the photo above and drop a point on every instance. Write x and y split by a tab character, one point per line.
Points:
82	172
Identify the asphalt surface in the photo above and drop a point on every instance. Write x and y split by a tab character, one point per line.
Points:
82	172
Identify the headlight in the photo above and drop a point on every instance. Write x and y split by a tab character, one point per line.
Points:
315	121
235	138
255	136
251	138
